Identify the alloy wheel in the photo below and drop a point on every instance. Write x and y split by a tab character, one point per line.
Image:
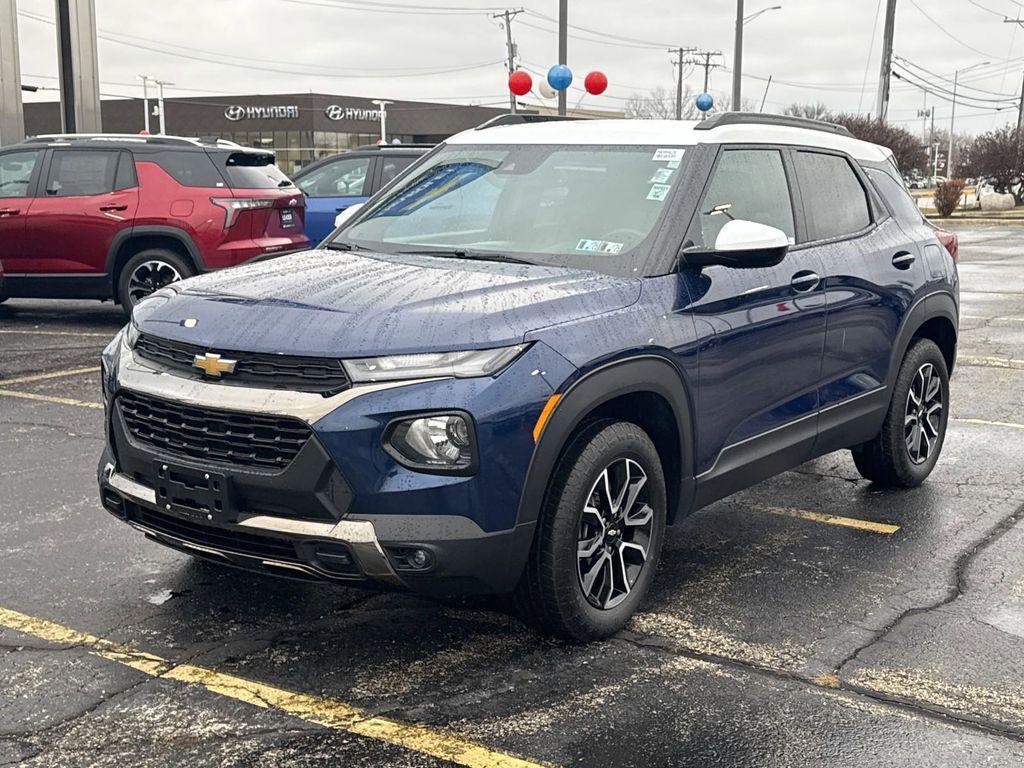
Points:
150	276
615	531
923	417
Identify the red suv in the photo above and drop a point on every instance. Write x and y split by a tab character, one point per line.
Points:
105	216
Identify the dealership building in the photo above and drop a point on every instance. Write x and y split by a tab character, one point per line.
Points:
299	128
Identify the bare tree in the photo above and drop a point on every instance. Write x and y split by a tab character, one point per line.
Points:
658	104
997	156
815	111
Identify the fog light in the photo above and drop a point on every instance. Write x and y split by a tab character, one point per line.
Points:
419	558
442	442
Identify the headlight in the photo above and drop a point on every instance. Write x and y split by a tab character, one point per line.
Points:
131	334
108	364
461	365
441	442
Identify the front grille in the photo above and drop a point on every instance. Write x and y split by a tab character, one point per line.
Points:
323	375
227	539
211	435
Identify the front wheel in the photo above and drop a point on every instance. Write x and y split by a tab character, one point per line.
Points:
599	534
905	451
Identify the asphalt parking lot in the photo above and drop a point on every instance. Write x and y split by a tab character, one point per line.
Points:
812	619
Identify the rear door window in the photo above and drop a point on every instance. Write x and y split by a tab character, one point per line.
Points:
835	202
81	172
190	169
16	172
346	177
253	170
391	166
748	184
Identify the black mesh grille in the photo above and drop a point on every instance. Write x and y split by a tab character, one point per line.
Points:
231	540
211	435
303	374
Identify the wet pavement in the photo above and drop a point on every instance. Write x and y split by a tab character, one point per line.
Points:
812	619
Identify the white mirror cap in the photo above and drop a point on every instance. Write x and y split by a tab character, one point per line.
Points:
741	235
347	214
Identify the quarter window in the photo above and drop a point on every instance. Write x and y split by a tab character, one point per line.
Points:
16	172
748	184
835	202
81	172
896	197
190	169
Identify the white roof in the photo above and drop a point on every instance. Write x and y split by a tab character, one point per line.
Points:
668	133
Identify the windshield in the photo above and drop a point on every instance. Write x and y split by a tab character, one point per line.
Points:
590	207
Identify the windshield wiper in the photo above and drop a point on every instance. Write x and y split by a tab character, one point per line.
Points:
338	245
463	253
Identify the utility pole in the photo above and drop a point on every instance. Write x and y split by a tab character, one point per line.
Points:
886	67
708	66
508	15
924	113
145	101
679	79
952	119
1020	107
737	59
12	118
563	47
160	103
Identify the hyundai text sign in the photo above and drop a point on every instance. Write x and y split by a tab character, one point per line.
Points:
338	112
238	112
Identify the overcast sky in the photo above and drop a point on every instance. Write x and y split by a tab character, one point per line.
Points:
815	50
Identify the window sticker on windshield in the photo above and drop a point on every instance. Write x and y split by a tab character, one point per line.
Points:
672	164
658	192
662	155
598	246
661	176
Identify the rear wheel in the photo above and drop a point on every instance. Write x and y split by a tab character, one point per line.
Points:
599	535
906	450
149	271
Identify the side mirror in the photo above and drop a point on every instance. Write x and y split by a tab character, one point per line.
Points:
742	245
346	213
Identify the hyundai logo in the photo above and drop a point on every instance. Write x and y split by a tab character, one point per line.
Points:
234	112
338	112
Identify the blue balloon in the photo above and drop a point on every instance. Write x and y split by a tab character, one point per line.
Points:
704	101
559	77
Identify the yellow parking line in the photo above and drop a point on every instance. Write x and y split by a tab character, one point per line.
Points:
321	710
991	362
848	522
49	399
988	423
50	375
30	332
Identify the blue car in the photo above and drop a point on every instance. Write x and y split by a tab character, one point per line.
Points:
513	368
333	184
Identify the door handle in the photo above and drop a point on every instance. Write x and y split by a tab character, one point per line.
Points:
111	208
903	260
805	281
9	211
343	208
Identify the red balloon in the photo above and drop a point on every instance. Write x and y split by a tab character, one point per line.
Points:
595	82
520	82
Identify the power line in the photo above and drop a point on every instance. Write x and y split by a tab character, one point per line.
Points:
905	61
947	33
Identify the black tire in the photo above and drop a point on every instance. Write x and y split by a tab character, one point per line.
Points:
132	284
551	596
891	460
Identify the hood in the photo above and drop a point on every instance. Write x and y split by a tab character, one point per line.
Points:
353	304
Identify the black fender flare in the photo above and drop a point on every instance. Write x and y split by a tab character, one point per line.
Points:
928	307
148	230
647	373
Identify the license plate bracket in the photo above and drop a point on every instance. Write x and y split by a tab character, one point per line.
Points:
196	494
287	217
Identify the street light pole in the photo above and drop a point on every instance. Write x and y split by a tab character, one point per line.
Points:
383	118
160	104
145	101
737	63
952	116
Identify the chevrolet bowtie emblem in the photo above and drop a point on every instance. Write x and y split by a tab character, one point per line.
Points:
213	365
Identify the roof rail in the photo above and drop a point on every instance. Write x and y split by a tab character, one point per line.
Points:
128	137
757	118
522	118
410	145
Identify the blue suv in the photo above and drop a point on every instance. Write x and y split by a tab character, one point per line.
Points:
542	344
